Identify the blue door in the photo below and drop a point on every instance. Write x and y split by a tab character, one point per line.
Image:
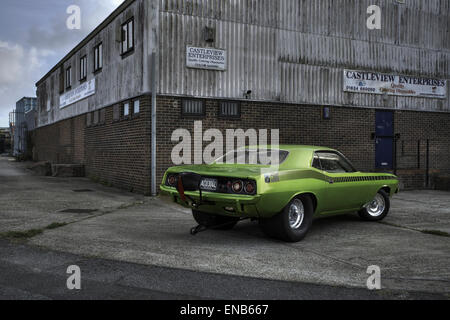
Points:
384	139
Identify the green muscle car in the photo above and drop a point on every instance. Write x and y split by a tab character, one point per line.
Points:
284	195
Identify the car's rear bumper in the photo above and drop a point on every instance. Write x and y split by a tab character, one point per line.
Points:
218	203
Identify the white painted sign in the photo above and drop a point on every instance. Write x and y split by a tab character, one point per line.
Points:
83	91
398	85
206	58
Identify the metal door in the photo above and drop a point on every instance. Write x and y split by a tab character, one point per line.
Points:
384	140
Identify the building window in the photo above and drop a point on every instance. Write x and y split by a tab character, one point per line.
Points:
193	108
229	109
95	117
136	107
83	68
61	79
98	57
88	119
116	112
128	36
126	109
68	82
102	116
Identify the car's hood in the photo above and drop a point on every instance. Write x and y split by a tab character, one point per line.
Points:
225	170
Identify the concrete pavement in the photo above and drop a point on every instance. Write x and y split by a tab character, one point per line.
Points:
27	272
410	246
34	202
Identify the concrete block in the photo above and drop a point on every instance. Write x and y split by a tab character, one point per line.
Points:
441	182
43	168
68	170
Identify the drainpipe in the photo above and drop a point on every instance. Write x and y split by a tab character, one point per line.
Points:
153	50
153	123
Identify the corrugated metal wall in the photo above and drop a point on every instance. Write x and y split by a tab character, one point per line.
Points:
295	50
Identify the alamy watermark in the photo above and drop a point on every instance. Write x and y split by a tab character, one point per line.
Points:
374	280
74	280
73	22
189	149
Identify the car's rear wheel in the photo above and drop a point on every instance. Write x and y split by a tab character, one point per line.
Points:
214	221
293	223
377	209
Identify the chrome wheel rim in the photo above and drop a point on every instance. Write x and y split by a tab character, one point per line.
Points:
376	207
296	214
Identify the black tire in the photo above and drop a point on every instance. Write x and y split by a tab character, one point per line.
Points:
214	221
279	226
371	213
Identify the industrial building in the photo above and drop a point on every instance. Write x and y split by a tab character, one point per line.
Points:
5	140
311	69
23	120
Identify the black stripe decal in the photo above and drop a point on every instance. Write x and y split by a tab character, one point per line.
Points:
358	179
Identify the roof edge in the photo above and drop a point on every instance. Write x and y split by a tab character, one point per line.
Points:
89	37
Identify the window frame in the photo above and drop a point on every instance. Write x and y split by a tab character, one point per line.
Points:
98	57
193	115
62	79
135	114
123	115
221	115
339	154
68	78
125	37
83	71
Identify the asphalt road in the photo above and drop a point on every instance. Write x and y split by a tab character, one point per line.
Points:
28	272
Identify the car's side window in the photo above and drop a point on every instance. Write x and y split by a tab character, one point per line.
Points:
316	162
334	163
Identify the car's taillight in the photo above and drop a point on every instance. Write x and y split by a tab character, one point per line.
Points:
171	180
250	187
237	186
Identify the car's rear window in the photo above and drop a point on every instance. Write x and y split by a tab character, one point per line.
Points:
255	156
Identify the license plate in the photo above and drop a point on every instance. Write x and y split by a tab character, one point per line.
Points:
209	184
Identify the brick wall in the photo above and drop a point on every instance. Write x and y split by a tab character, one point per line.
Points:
58	143
349	130
415	128
117	152
114	152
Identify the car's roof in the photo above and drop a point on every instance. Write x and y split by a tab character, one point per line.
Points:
301	155
292	147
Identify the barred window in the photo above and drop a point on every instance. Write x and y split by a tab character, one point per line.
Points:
102	116
229	109
96	117
128	36
83	68
116	112
98	57
88	119
68	81
193	108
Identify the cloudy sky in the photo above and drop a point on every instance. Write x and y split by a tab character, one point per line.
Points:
34	37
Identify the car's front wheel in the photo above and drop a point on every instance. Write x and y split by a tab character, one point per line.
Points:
214	221
377	209
293	223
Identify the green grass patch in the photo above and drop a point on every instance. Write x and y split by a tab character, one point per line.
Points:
436	233
55	225
21	234
27	234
